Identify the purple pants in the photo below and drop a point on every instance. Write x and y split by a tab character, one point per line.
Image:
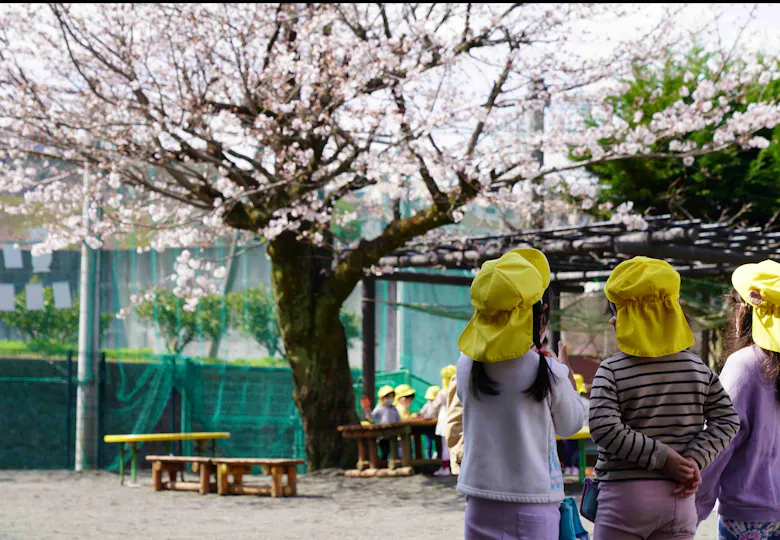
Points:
644	510
497	520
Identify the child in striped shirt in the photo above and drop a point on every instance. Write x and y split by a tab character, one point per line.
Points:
649	404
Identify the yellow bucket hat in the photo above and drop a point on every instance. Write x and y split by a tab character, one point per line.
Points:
580	380
503	295
432	392
384	391
650	321
759	286
403	390
446	374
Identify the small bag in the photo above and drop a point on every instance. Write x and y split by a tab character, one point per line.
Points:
571	527
590	500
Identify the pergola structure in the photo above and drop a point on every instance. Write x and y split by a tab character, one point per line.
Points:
577	255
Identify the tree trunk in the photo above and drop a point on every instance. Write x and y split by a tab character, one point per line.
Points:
316	348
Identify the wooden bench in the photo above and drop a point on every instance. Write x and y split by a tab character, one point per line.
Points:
276	468
175	464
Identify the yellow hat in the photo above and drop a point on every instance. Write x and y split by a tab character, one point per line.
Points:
580	380
503	295
403	390
432	392
446	374
384	391
650	321
759	286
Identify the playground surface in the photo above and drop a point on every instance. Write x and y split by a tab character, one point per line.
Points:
37	505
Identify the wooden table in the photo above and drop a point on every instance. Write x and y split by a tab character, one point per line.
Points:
166	438
418	429
581	436
409	432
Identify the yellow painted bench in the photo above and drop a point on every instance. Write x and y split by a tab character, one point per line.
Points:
166	438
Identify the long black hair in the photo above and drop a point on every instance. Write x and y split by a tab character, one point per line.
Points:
739	336
482	383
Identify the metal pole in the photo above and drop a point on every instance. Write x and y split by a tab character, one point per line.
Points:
391	331
369	339
173	397
101	401
68	404
86	425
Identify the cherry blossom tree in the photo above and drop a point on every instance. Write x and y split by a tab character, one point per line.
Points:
193	121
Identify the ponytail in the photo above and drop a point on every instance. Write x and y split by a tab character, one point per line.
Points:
542	385
481	383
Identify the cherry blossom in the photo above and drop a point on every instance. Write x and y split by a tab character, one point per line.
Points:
196	120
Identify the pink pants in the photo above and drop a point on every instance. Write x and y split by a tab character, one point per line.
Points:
498	520
644	509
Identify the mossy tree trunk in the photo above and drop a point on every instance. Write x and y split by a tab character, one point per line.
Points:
316	348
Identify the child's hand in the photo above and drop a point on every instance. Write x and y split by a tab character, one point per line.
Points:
679	468
690	487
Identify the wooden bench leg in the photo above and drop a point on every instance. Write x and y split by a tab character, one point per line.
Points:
222	479
277	488
362	461
205	478
373	455
157	475
406	450
393	462
292	480
418	446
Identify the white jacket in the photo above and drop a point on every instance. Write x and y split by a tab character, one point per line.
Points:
510	450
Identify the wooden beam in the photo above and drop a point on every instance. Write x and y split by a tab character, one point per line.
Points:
369	339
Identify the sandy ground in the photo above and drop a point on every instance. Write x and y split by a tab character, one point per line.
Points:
60	504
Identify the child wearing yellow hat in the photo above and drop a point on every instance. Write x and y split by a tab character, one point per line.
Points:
745	478
430	411
657	413
515	400
384	413
404	397
447	372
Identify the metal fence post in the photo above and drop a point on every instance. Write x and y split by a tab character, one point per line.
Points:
101	402
68	405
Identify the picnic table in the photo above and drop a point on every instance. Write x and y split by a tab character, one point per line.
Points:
581	437
166	438
409	432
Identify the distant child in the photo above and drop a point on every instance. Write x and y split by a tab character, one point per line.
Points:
571	452
657	413
453	428
430	412
447	373
404	397
384	413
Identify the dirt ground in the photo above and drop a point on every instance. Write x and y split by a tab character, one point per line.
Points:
59	504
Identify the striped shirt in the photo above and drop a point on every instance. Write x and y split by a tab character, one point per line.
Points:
641	407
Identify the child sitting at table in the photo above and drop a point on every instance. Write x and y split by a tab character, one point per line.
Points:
384	413
404	397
